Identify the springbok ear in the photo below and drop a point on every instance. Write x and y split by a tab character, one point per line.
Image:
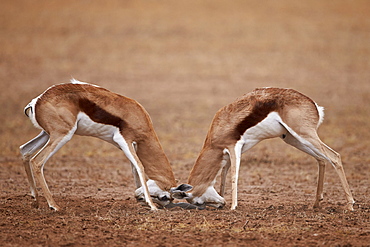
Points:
179	192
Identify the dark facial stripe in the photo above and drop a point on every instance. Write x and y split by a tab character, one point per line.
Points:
99	115
259	112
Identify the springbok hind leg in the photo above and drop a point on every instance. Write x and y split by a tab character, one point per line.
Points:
336	161
28	150
320	183
313	146
39	160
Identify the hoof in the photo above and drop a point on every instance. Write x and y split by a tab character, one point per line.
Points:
55	208
349	207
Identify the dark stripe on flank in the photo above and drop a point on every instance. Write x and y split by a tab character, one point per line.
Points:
99	115
259	112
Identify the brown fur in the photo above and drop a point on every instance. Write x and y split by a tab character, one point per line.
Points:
231	121
63	102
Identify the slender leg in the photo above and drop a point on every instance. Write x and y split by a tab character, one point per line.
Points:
337	163
136	176
134	171
312	145
235	155
234	181
56	141
28	150
224	172
134	159
320	183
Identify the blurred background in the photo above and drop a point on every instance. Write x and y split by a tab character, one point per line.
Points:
183	60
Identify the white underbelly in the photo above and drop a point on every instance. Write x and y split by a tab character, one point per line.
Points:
269	127
87	127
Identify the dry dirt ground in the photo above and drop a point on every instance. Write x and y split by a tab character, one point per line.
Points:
183	60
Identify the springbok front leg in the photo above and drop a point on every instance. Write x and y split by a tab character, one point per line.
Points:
225	169
134	171
234	179
130	153
235	155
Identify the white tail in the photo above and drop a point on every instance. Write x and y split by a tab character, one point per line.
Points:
84	109
264	113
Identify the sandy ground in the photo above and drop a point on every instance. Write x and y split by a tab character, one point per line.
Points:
183	60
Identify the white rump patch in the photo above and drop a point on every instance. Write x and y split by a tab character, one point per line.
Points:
320	109
31	112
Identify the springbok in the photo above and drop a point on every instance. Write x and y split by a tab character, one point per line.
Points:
261	114
88	110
